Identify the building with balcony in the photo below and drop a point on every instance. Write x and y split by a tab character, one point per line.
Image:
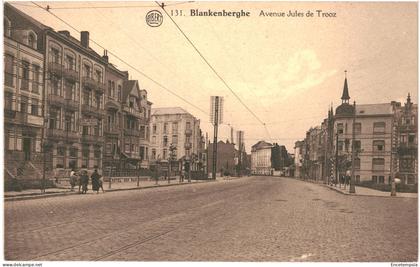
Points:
136	110
176	126
23	93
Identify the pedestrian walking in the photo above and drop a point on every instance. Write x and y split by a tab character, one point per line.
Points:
73	179
85	182
101	183
95	181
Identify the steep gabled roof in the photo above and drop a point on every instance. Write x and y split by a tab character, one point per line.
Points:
130	87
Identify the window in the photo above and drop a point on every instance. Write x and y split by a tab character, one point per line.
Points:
24	104
340	128
375	179
127	147
154	129
357	145
85	156
165	128
69	91
61	153
187	152
378	146
8	101
72	158
86	70
357	163
347	144
32	40
175	127
403	139
165	140
357	128
54	120
142	153
56	86
411	179
86	98
34	107
70	62
153	153
109	88
379	127
188	125
381	179
35	80
98	75
8	70
142	132
119	92
25	76
411	139
165	153
174	139
153	139
378	164
85	130
55	55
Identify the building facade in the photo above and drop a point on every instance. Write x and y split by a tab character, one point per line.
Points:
227	158
23	95
261	158
176	127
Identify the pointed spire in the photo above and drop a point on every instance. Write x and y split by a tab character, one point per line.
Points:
345	97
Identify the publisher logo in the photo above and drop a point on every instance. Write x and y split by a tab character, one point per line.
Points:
154	18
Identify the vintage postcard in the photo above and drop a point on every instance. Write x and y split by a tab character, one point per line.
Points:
209	131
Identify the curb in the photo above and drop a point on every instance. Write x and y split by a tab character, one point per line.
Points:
359	195
29	197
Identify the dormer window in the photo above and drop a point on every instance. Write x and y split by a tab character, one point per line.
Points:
32	40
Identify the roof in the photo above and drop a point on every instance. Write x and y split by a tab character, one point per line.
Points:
345	95
127	89
261	144
169	110
374	109
25	16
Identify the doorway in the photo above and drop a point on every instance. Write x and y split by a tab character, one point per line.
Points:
27	148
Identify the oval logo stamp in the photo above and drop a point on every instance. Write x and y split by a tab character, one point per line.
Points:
154	18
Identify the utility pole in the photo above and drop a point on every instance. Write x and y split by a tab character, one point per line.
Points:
336	158
216	122
353	151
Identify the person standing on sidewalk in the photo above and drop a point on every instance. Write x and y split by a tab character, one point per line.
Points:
85	182
95	181
73	179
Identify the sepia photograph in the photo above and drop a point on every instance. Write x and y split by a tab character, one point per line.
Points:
210	132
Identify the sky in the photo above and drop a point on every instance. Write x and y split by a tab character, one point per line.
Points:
287	70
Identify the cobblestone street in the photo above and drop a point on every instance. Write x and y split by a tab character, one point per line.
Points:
247	219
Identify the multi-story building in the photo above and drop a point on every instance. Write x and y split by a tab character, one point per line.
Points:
261	158
136	110
113	125
176	127
299	157
405	161
23	94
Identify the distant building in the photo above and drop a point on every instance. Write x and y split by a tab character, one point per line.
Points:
176	126
261	158
299	158
226	154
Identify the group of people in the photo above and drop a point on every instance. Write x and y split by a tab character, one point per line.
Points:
82	179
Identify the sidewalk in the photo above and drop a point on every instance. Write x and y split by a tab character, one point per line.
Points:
115	186
364	191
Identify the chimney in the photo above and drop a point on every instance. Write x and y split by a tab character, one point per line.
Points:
105	56
84	38
65	33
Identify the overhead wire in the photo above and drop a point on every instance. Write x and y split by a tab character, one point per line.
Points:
125	62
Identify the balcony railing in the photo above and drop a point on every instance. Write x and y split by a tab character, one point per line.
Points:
55	68
89	82
92	138
24	84
71	136
407	149
131	111
407	128
55	133
111	130
132	132
70	74
56	100
94	111
17	117
71	104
